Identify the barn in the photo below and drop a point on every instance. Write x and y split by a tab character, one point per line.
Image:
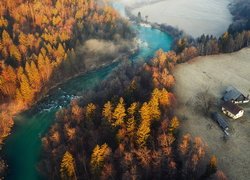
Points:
232	94
232	110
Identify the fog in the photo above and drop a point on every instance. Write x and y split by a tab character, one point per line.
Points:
98	52
195	17
100	47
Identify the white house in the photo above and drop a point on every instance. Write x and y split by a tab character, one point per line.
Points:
232	110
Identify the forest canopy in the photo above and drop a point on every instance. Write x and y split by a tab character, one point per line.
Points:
129	132
36	37
40	46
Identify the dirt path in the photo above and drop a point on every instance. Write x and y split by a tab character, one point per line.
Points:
216	73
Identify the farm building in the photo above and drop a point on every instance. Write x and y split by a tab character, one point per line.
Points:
232	110
232	94
220	120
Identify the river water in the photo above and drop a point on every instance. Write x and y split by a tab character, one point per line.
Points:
23	147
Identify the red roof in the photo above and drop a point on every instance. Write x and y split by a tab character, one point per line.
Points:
231	107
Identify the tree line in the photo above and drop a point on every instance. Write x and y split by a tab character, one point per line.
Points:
188	48
235	38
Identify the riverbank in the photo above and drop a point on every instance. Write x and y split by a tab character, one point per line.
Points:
216	73
174	32
92	68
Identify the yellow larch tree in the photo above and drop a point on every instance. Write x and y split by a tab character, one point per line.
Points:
23	39
41	67
155	112
145	113
98	157
131	123
20	71
6	39
107	111
26	89
174	123
3	22
119	113
67	167
34	76
164	98
131	126
132	108
15	53
19	96
60	52
143	133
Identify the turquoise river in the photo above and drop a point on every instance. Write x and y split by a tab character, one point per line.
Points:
23	147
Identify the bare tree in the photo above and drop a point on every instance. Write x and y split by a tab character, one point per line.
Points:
204	101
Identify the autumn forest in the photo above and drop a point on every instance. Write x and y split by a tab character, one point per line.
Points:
130	134
126	126
38	43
